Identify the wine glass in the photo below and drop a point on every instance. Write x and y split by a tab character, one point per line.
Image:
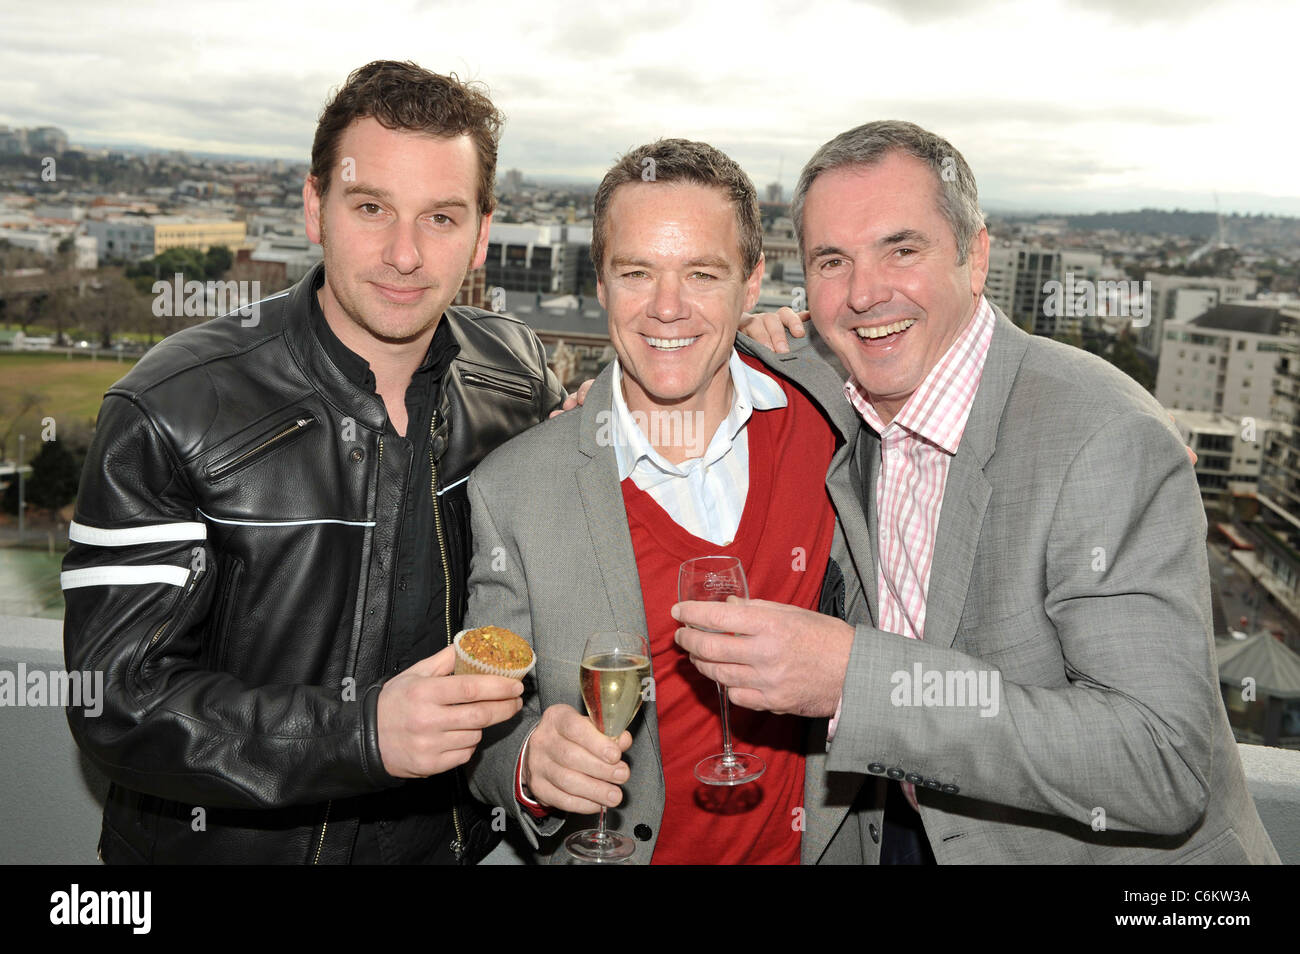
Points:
715	578
615	672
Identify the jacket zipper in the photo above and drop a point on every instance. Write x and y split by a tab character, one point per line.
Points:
325	822
323	825
497	384
457	846
293	428
189	588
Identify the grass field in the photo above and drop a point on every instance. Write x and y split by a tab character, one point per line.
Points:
69	390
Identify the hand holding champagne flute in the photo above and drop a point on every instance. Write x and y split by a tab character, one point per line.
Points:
614	669
715	578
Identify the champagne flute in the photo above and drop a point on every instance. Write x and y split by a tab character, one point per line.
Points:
615	670
715	578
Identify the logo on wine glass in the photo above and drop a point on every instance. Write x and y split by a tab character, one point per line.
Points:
715	583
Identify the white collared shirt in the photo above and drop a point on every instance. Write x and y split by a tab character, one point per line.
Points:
706	495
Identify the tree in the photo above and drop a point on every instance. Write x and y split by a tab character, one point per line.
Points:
24	404
217	261
54	477
1124	356
113	305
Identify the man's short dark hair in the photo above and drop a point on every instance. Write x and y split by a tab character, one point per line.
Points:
405	96
871	143
680	160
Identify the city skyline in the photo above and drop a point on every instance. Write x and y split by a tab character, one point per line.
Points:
1081	106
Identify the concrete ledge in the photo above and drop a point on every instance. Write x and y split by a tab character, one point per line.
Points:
51	797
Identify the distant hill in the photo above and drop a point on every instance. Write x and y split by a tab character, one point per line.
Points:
1237	229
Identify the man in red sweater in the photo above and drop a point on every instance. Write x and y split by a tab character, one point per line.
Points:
685	447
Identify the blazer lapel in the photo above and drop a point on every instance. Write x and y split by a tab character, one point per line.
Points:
967	490
607	525
828	796
824	386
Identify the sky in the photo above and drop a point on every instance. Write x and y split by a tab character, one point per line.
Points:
1058	105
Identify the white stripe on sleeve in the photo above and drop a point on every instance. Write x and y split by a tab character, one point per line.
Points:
124	576
130	536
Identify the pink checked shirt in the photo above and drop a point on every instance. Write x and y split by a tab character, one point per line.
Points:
916	450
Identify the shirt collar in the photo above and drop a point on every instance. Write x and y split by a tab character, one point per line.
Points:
938	409
752	391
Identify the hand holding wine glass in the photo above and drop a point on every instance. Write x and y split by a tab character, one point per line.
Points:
615	668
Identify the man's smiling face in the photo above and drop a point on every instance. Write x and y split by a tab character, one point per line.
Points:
884	286
675	287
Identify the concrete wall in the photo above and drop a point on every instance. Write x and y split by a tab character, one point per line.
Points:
51	797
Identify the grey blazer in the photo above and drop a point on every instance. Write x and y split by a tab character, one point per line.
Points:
553	561
1071	562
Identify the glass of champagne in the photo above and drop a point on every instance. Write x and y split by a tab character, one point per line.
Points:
715	578
615	670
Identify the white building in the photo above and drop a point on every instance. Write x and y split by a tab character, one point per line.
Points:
1227	361
1180	297
1018	283
1229	452
550	259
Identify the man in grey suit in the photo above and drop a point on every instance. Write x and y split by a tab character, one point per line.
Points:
1022	511
560	551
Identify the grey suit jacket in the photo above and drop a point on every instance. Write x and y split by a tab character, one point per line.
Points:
553	561
1071	562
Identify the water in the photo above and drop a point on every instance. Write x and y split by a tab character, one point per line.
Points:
29	583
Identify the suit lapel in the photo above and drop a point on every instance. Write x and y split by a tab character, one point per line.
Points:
965	499
828	796
967	490
606	516
866	468
825	388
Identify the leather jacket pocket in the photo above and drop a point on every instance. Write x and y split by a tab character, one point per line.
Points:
230	569
499	381
267	441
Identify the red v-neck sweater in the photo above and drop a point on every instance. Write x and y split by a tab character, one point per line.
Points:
783	542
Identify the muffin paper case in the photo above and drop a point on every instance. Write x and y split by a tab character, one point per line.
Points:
468	665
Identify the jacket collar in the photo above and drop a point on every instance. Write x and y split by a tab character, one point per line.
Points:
347	397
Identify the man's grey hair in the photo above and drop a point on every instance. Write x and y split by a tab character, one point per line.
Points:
870	143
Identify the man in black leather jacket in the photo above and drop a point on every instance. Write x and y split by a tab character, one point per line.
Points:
271	541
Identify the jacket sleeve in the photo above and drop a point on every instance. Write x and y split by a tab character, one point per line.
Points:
498	596
553	393
138	581
1129	727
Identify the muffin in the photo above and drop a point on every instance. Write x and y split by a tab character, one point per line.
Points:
493	651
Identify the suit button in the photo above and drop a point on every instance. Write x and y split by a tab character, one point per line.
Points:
874	832
642	832
875	768
895	773
915	779
950	789
356	455
933	783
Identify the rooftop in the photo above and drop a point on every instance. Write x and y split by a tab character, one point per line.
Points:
1250	319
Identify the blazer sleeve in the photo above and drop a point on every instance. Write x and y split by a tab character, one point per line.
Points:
1128	729
498	596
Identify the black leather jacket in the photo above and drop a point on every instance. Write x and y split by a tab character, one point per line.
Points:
230	572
